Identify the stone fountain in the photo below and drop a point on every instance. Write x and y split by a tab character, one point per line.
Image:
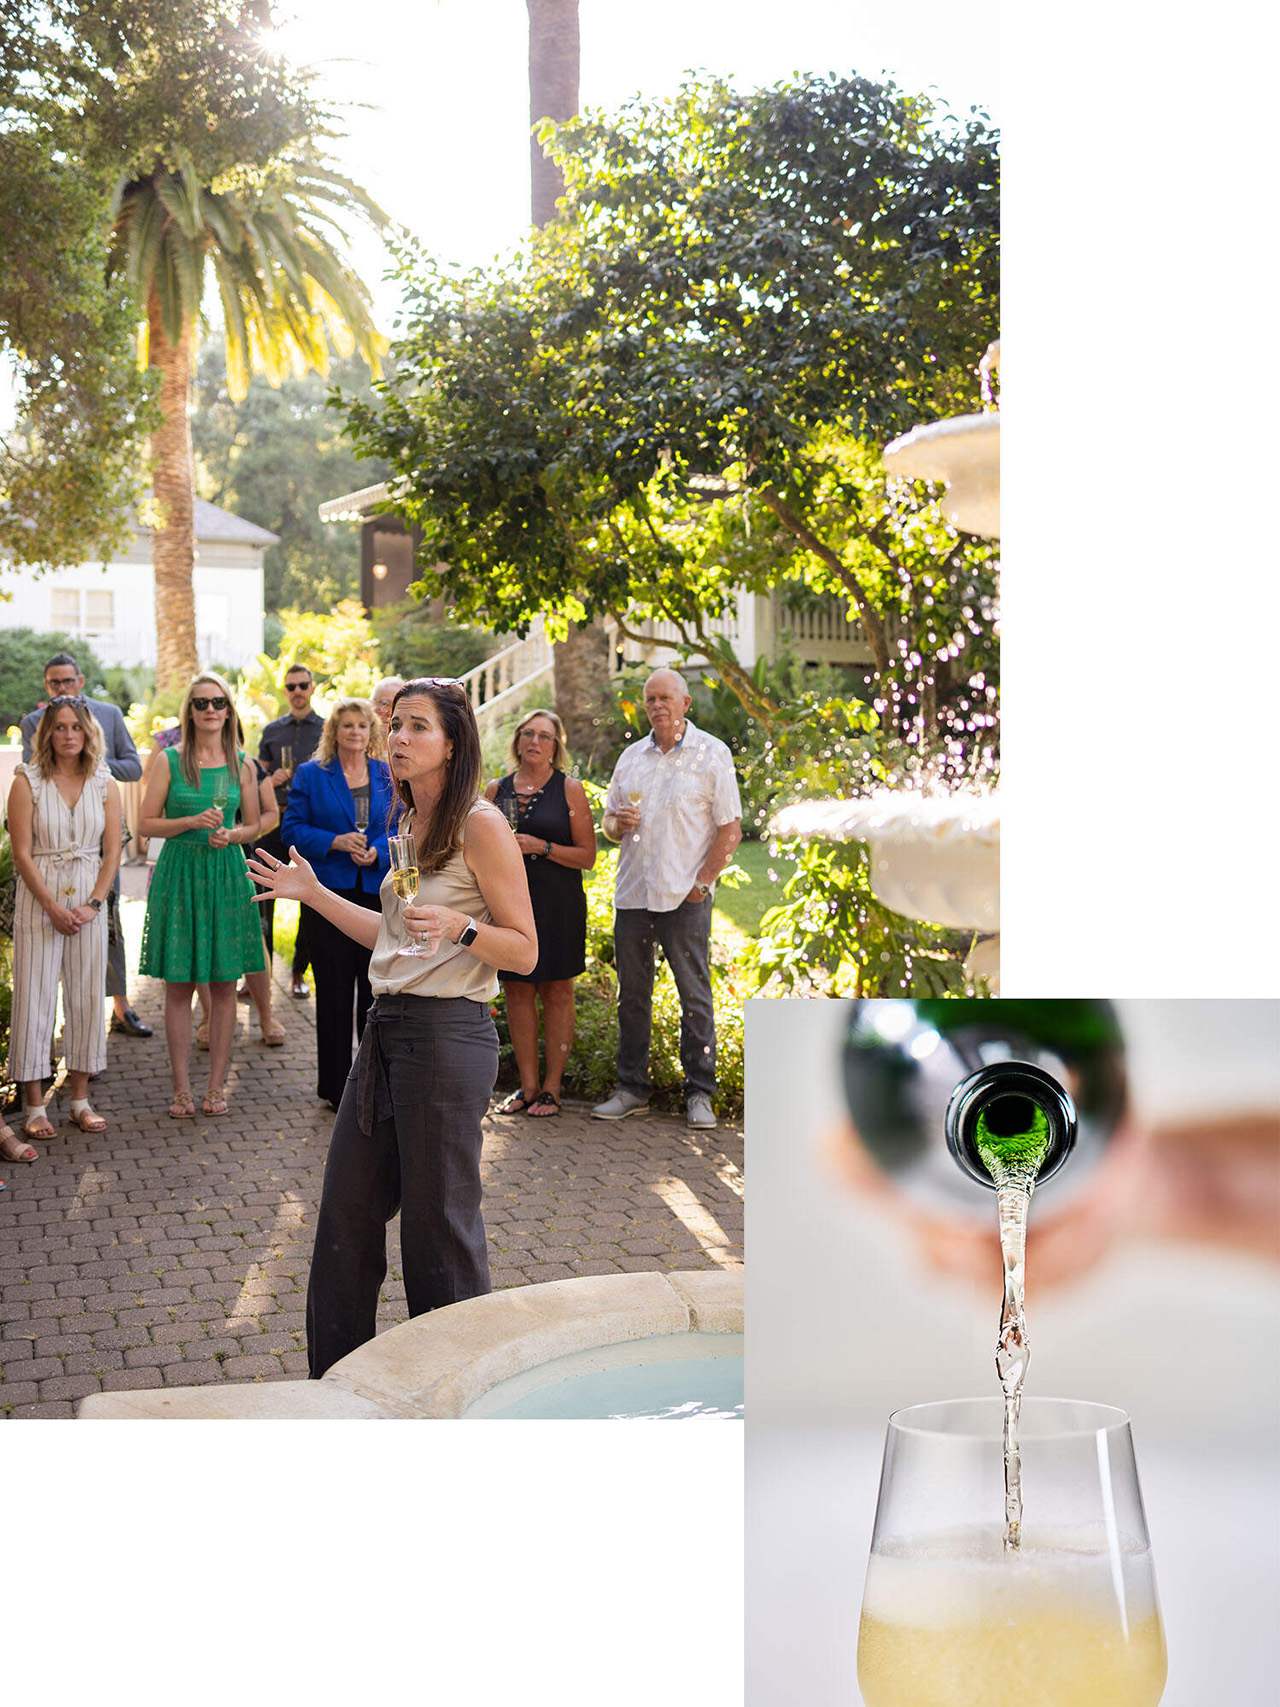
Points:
934	858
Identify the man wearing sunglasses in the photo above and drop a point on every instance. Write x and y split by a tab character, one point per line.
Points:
62	675
299	730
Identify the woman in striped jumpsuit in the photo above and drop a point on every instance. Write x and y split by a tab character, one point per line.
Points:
65	827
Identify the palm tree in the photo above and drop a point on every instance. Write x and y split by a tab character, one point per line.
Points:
273	245
582	659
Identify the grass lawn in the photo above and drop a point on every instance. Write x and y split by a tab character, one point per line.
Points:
748	905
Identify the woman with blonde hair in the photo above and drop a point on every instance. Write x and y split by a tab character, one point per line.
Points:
554	830
337	816
65	829
201	925
410	1125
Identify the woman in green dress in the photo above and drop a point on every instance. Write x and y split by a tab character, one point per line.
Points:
202	925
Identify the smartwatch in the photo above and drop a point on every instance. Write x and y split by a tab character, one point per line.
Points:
470	931
95	904
546	850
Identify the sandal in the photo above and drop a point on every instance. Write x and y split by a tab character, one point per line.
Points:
12	1148
36	1125
183	1106
213	1102
87	1120
516	1103
543	1106
273	1034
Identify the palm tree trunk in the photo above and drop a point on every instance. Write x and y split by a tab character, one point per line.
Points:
553	91
582	698
173	545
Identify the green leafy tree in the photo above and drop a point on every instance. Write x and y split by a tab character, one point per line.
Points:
69	457
274	456
666	401
22	660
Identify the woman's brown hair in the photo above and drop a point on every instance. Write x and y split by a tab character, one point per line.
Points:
377	748
463	775
42	744
187	721
558	757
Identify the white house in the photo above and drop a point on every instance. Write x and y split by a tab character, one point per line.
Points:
113	608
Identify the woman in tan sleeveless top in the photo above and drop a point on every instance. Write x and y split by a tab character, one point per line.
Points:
407	1135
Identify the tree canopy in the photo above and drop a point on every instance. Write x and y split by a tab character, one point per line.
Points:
662	398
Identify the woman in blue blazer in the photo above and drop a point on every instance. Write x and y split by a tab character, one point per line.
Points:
337	816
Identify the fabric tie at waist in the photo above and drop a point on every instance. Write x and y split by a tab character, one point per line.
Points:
66	856
373	1080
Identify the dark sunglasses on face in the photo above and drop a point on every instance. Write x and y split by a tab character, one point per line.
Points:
217	703
296	687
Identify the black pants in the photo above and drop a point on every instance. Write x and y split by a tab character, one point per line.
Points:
301	946
407	1138
341	967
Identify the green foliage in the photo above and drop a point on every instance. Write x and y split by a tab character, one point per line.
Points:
412	643
22	660
338	648
274	457
830	936
127	685
638	417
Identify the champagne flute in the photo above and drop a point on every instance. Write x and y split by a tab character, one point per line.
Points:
950	1617
221	793
362	814
511	810
633	800
286	760
404	880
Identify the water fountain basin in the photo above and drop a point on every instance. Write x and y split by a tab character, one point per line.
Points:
932	859
652	1345
964	453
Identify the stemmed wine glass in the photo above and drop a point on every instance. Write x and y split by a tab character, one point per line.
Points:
404	880
633	800
362	814
221	793
286	760
950	1618
511	810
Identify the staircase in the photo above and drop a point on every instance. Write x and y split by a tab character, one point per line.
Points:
495	686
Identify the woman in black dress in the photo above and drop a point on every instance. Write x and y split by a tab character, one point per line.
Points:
549	813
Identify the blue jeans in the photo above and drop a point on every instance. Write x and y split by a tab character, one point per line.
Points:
685	937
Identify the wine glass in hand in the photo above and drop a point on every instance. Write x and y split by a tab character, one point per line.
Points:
404	880
221	793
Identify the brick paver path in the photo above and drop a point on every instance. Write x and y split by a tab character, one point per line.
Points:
169	1252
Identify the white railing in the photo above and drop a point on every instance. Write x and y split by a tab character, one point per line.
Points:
824	633
737	626
495	686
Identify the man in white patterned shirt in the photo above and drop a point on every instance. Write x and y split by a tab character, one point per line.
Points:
673	804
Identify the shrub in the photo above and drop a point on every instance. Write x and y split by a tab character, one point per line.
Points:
412	643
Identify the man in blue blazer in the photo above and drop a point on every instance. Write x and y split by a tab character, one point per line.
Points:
62	675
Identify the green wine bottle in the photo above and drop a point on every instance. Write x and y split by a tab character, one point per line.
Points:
947	1095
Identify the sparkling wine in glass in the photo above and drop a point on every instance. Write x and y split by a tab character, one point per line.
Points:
404	880
221	793
511	810
951	1617
362	815
286	760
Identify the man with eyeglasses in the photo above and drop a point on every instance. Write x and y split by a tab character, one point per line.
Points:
299	730
62	675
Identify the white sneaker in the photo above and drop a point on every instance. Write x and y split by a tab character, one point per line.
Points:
620	1105
699	1111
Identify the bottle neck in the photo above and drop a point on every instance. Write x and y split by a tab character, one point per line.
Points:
1010	1118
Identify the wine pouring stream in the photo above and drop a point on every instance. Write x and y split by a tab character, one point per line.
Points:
957	1101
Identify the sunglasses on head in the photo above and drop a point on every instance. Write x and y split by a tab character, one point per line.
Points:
68	699
218	702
